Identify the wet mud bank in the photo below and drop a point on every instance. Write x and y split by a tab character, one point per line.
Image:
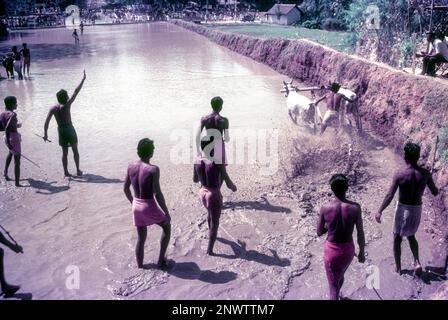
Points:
396	106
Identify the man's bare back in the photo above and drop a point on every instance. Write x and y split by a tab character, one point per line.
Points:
334	101
339	218
142	177
411	183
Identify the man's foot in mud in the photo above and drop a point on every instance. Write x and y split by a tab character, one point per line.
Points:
79	173
418	271
211	253
5	175
164	265
10	291
18	185
140	266
398	270
67	174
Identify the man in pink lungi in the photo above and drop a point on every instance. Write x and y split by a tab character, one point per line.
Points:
338	219
144	178
411	182
9	123
211	173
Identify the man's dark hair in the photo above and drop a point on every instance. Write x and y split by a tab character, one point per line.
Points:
411	152
339	184
335	87
217	103
431	35
145	148
24	44
62	96
10	102
14	48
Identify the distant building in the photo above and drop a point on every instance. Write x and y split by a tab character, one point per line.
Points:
284	14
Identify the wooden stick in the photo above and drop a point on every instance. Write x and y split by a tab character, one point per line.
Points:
414	51
7	233
435	153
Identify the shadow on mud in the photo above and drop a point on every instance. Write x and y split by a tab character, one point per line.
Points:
21	296
240	252
44	187
93	178
262	205
429	275
191	271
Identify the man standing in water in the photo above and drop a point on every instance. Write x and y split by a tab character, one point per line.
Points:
67	133
8	122
217	122
411	182
145	180
211	175
8	290
338	219
75	36
26	54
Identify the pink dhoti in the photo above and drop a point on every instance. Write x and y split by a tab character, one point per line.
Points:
15	140
337	258
146	212
211	198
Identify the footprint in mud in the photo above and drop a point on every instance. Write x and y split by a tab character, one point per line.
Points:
140	282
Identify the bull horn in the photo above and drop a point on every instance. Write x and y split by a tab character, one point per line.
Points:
284	82
291	81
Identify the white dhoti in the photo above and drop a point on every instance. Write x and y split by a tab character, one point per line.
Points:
407	219
330	116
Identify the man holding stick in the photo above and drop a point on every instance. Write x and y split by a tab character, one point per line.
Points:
66	131
9	122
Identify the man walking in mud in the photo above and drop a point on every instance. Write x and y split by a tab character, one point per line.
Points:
335	103
145	180
215	121
411	182
338	219
67	134
211	175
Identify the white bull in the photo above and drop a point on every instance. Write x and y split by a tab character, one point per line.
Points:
299	105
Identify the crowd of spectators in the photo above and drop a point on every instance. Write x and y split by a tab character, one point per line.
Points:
41	17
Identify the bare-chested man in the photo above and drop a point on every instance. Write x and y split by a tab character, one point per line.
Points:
335	102
411	182
67	133
338	219
216	122
211	175
9	122
144	178
8	290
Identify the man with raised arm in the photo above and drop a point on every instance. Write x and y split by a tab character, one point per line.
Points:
66	131
338	219
411	182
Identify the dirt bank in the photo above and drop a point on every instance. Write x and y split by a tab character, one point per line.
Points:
397	106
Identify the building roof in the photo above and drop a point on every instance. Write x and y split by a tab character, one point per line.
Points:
282	9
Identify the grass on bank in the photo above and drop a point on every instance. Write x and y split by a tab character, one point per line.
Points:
337	40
